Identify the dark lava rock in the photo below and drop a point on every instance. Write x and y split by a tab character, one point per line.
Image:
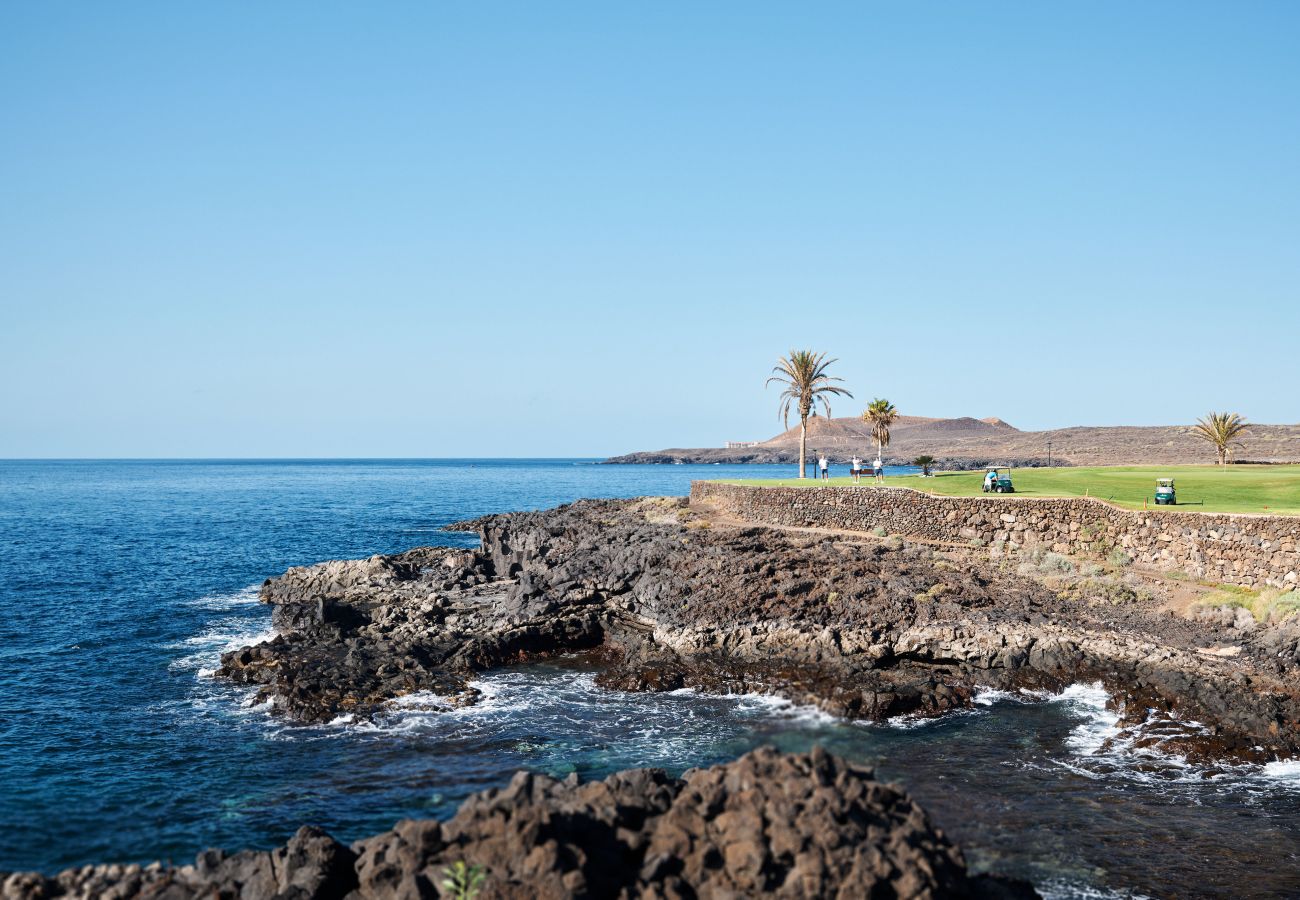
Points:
671	598
765	825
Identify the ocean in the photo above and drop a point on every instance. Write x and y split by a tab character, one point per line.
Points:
122	581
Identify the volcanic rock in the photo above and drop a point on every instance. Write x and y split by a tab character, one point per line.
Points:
764	825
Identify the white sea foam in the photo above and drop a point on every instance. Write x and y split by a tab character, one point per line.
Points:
219	635
989	696
907	722
421	700
1063	890
780	708
1100	748
1100	725
662	725
243	597
767	706
1286	771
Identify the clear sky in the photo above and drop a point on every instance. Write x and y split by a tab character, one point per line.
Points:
435	229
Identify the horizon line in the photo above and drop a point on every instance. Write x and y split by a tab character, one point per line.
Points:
292	458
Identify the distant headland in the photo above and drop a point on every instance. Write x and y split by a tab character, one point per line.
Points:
965	442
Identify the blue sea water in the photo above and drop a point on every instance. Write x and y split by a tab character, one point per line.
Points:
122	581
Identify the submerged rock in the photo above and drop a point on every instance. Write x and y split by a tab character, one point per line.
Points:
767	824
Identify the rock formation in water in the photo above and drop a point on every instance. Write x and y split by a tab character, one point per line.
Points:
862	627
767	824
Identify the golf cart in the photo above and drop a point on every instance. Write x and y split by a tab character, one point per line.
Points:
997	480
1165	494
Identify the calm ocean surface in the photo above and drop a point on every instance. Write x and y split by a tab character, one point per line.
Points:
122	581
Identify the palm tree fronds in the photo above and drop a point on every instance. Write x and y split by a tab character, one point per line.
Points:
880	414
1222	429
807	383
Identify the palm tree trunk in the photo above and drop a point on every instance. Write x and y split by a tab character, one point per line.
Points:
803	444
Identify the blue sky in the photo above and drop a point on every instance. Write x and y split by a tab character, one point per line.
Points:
341	229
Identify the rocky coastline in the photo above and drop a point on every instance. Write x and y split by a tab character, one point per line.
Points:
671	597
665	596
766	824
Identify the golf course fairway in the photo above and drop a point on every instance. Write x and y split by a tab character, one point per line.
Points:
1270	490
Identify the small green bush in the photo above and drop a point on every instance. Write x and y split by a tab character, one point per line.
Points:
1286	606
1056	563
1119	559
462	882
934	592
1106	590
1268	605
880	531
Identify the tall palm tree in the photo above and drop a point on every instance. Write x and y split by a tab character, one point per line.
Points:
880	414
803	373
1221	430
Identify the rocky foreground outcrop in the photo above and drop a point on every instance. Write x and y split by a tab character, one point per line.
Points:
863	627
767	824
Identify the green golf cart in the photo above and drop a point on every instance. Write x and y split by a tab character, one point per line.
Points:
1165	494
997	480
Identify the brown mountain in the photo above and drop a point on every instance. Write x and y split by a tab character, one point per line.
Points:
968	441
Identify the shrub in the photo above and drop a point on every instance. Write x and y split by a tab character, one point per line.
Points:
934	592
1285	606
463	882
879	531
1119	559
1111	591
1056	563
1268	605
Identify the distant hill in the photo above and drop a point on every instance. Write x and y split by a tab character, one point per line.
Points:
965	442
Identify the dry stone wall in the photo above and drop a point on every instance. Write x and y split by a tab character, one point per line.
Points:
1237	549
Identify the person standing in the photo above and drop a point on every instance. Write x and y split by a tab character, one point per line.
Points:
824	464
855	469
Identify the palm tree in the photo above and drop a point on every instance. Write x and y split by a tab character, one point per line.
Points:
925	462
881	414
803	373
1221	430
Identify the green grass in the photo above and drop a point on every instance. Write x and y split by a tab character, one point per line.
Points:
1235	489
1268	605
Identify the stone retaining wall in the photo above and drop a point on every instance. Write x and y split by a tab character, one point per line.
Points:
1238	549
